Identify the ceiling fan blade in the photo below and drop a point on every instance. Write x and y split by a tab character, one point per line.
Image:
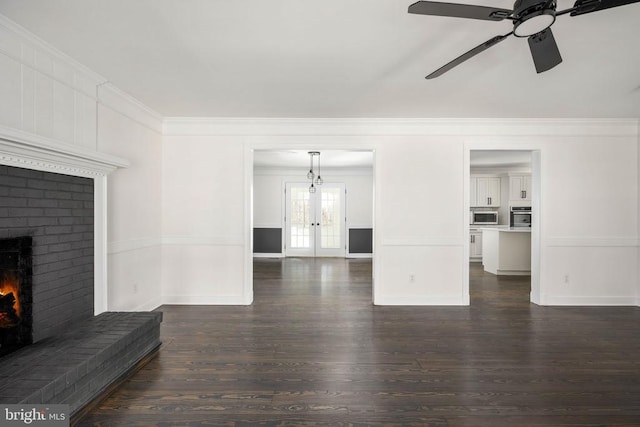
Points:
587	6
459	10
473	52
544	51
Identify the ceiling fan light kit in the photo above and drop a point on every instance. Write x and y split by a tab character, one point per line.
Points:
532	19
534	23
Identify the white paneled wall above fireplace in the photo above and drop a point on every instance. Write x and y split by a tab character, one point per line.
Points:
45	93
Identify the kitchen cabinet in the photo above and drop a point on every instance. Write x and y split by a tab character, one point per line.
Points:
475	245
484	192
519	187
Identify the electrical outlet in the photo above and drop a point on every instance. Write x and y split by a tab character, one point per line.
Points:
412	277
566	279
135	288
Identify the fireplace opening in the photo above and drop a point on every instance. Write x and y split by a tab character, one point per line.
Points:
15	294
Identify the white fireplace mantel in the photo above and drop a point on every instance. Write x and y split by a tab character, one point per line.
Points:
29	151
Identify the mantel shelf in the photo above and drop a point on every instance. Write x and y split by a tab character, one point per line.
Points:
30	151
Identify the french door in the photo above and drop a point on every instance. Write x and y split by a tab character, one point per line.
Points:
315	222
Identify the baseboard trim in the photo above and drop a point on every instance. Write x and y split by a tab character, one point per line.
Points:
420	300
364	256
204	300
265	255
630	301
149	305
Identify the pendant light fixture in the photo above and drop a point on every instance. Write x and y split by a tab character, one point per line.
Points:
319	180
311	175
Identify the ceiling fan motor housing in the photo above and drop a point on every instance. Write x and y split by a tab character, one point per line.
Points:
532	16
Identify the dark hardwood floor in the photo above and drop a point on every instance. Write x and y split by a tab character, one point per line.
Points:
312	350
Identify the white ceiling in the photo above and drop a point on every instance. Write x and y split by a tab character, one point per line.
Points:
339	58
364	159
300	159
500	158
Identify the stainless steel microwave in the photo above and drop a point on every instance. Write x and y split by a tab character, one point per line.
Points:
484	217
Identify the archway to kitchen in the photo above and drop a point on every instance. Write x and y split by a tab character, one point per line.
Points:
503	200
340	209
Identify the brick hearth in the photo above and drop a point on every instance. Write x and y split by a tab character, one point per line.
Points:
78	365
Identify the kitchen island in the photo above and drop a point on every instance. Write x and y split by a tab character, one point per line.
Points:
507	251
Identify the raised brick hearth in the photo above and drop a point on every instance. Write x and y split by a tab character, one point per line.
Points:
75	356
76	366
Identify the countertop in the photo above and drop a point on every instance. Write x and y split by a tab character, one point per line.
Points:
507	229
479	227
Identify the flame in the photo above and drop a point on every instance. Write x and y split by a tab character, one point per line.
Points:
9	283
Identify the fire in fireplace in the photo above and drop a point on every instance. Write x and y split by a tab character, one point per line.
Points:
9	300
15	294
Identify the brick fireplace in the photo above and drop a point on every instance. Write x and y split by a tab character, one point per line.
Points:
55	213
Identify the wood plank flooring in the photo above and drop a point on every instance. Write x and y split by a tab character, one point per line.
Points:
313	350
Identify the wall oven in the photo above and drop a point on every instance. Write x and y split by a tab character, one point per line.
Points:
520	216
484	217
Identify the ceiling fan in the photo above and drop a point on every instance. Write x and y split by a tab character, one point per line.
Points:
531	18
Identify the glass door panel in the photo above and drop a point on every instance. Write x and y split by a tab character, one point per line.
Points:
331	213
298	219
315	222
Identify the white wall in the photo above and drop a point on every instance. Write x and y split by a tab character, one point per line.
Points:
594	179
204	221
419	220
127	130
587	166
267	200
45	93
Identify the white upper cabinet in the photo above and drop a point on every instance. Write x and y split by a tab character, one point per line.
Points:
519	187
485	192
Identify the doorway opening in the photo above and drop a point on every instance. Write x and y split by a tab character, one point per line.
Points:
502	237
289	222
335	220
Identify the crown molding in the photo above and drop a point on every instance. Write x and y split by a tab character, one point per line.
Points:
199	126
116	99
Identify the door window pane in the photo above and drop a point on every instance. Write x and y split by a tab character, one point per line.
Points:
300	220
330	218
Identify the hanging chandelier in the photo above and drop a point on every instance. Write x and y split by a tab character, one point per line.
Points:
317	180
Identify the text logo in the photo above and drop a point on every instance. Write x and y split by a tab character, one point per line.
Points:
34	415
